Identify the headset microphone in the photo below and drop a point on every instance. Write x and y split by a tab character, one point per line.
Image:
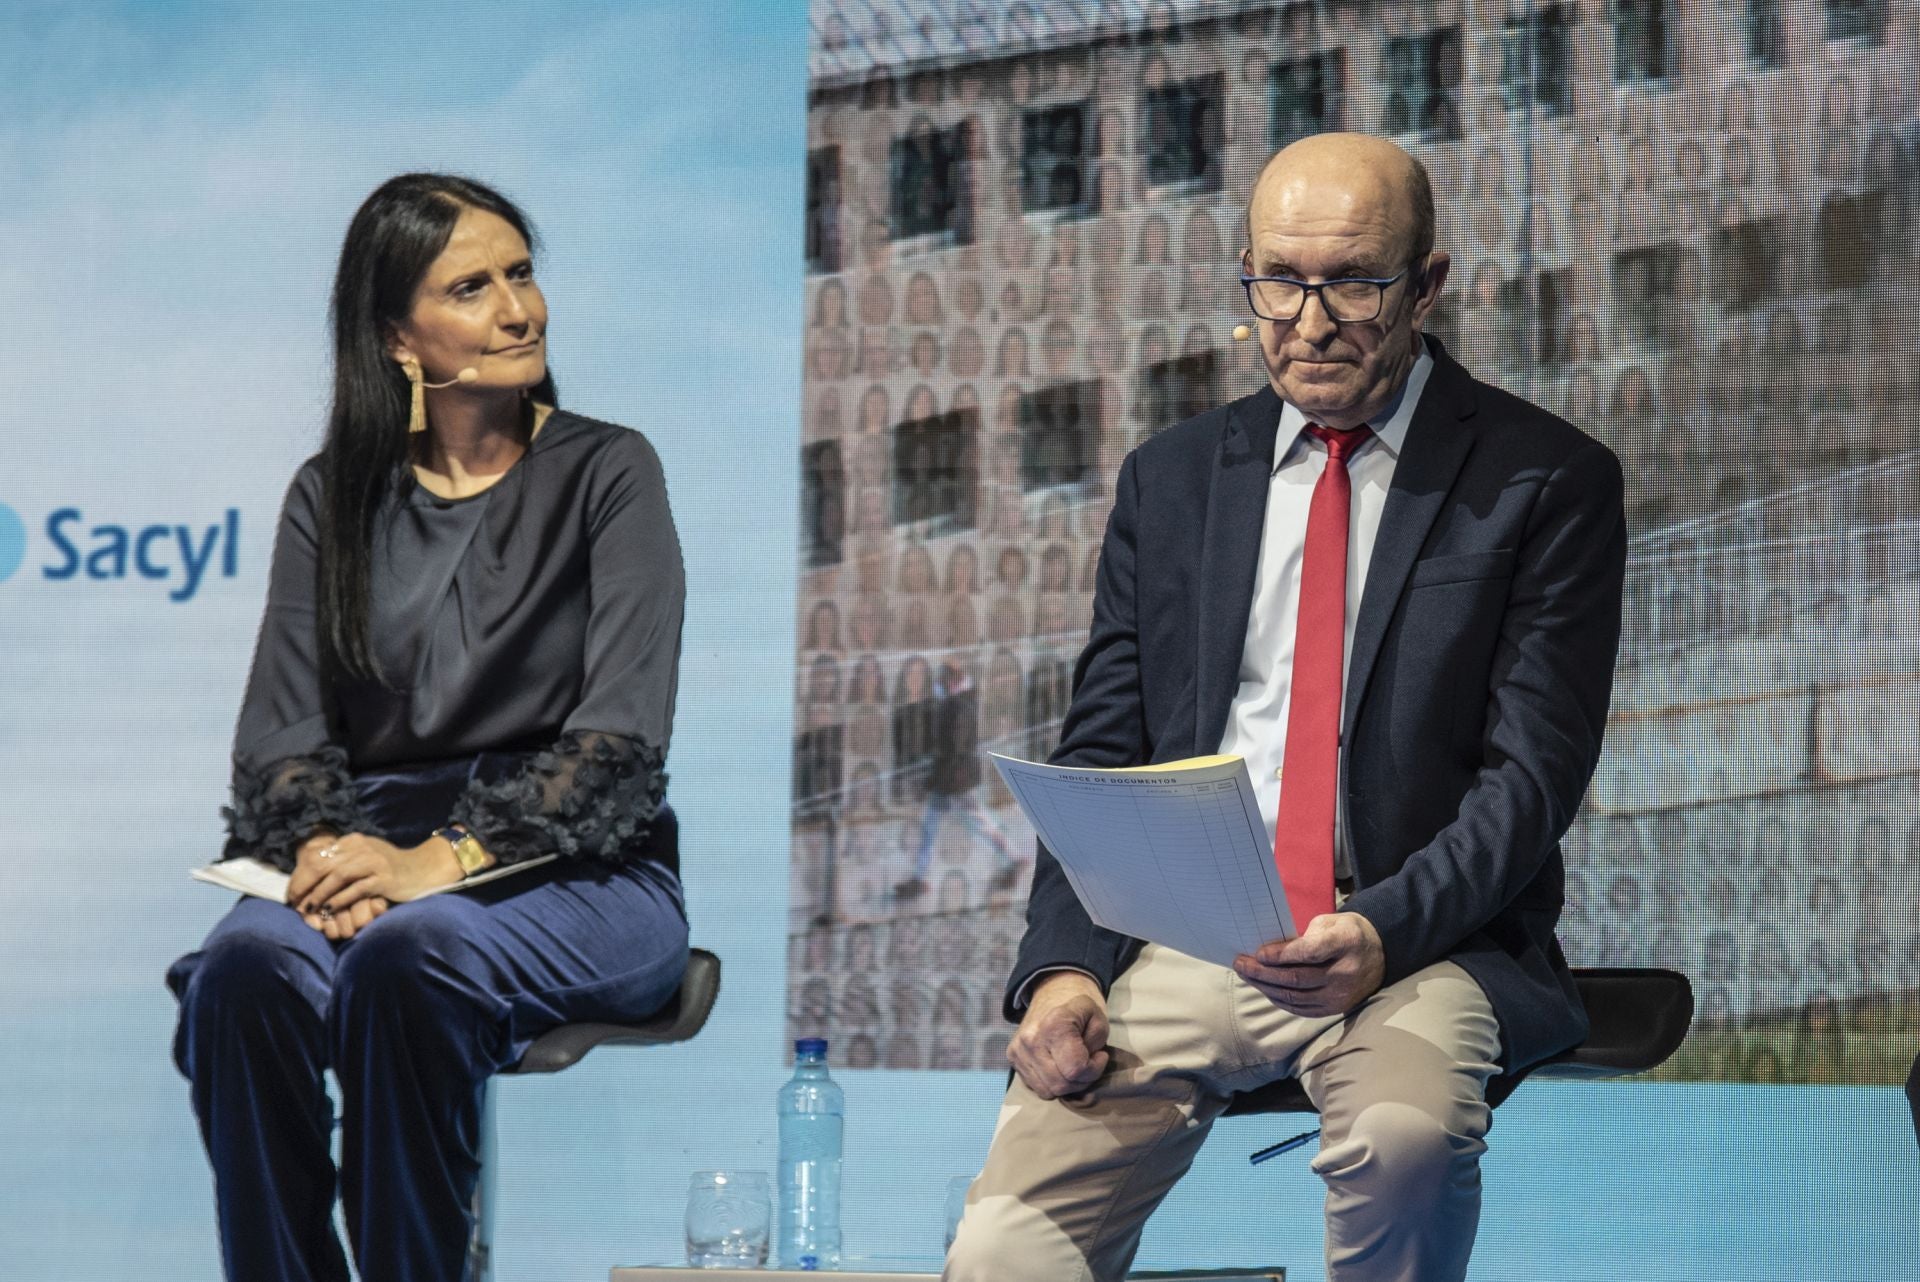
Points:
1241	333
467	375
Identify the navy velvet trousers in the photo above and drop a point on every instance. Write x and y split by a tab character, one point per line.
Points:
413	1015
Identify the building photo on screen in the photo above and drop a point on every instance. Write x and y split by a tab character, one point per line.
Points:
1021	241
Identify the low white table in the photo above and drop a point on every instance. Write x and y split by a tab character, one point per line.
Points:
899	1271
685	1273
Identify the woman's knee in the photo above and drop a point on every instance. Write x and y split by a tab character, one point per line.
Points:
248	967
406	955
249	986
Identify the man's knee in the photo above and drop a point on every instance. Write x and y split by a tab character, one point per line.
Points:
1001	1240
1402	1156
979	1257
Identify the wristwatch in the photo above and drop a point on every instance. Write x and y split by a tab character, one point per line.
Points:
467	849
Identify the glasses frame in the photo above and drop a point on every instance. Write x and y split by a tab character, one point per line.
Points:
1247	282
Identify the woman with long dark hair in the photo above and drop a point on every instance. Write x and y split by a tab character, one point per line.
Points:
468	659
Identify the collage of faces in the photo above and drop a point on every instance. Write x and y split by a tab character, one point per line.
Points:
1022	261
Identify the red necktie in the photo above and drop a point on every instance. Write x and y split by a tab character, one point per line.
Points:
1310	771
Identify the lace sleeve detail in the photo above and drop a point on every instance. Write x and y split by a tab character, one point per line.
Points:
277	807
592	795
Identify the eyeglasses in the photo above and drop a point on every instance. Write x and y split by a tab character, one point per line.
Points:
1351	299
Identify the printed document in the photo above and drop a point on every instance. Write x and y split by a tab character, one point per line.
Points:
255	877
1176	854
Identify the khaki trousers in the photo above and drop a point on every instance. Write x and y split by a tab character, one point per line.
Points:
1400	1083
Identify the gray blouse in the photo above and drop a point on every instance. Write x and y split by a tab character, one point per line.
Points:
540	617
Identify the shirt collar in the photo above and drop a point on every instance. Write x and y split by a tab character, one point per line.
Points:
1391	429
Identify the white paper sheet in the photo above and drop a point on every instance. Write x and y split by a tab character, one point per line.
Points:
1176	854
264	881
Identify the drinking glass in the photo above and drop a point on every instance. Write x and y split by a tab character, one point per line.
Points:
729	1219
956	1204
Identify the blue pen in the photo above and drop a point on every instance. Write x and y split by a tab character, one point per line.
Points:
1284	1146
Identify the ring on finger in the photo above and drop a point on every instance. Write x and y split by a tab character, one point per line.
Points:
326	914
330	851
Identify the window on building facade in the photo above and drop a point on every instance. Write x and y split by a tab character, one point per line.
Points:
1530	325
1744	256
1181	134
1762	23
879	91
933	184
1643	284
823	502
823	210
1639	41
1049	690
1178	389
1552	293
1862	20
1059	426
935	472
1510	320
1306	96
819	757
1053	159
1849	234
1421	75
1546	82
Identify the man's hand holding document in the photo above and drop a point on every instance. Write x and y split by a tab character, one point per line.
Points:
1176	854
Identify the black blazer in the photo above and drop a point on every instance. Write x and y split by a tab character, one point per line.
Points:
1477	687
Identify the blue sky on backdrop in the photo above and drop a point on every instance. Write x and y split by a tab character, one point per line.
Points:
178	178
201	160
175	179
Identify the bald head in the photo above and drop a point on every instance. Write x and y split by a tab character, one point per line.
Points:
1356	210
1354	170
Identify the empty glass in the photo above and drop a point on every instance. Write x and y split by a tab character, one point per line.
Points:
729	1219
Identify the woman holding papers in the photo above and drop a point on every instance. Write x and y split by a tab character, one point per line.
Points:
467	663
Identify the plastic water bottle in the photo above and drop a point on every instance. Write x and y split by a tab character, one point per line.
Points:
812	1115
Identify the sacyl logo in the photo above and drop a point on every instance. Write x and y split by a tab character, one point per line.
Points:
179	555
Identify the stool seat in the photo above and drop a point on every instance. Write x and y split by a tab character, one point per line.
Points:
677	1021
565	1046
1636	1018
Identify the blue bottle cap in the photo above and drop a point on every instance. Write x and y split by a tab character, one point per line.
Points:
810	1046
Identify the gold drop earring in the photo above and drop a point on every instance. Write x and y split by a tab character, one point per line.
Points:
416	379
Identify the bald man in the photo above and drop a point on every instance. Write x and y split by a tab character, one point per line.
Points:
1396	589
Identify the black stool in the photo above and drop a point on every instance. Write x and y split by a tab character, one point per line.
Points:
566	1046
1636	1018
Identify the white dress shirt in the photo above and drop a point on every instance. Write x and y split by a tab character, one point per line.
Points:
1257	721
